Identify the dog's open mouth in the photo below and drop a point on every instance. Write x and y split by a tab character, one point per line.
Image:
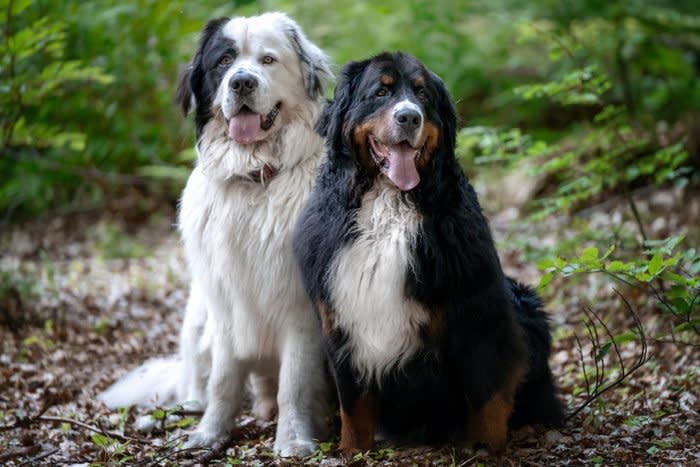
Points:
246	125
397	162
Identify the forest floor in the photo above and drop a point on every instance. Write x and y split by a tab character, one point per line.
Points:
87	298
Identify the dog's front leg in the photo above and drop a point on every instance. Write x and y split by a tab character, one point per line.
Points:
359	410
302	393
195	351
224	393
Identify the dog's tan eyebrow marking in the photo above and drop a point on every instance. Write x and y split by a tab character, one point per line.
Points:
418	82
387	80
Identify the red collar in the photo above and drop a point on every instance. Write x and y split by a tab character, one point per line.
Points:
264	175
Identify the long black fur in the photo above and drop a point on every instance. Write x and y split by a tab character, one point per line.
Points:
491	324
202	78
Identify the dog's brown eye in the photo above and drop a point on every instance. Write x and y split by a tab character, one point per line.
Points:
420	94
268	60
225	60
382	92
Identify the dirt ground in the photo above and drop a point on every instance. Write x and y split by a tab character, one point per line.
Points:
89	297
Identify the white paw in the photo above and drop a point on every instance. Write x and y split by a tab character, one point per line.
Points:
203	439
295	448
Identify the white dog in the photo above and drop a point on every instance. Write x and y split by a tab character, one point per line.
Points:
256	88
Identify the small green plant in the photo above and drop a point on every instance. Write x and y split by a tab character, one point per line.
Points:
111	448
17	282
164	417
323	450
606	154
671	277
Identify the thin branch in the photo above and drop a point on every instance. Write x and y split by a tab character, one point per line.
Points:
598	388
169	455
583	364
13	453
111	434
22	422
185	413
218	449
635	213
36	459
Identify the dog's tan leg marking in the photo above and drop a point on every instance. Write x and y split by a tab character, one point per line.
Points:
359	425
489	425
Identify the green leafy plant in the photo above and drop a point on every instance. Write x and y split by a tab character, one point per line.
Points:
669	276
34	71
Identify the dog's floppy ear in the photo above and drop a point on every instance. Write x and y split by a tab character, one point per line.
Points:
446	112
191	78
184	96
331	123
315	66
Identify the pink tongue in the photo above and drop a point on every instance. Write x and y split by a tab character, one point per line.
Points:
402	167
244	127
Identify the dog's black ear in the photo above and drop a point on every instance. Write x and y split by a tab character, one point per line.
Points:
184	96
315	66
446	112
331	123
191	79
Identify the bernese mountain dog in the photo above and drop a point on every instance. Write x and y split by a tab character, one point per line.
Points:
428	340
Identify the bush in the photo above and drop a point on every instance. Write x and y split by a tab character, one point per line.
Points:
39	148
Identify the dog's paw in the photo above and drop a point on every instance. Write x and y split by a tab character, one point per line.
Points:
204	439
295	448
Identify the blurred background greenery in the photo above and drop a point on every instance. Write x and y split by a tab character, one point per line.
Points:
86	88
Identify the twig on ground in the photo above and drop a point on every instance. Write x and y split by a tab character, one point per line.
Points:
217	450
22	422
41	456
186	413
99	430
176	452
13	453
466	462
168	455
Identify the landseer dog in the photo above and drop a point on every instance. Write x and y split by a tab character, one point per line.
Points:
256	87
427	339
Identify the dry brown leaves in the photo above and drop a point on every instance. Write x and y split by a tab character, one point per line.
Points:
90	318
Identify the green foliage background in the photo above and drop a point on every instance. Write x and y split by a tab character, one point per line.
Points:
86	87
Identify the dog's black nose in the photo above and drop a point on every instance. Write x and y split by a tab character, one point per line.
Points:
243	83
408	119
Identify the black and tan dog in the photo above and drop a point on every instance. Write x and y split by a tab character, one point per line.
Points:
428	340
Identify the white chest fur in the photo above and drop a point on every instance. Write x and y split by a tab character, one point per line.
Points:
238	238
367	284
